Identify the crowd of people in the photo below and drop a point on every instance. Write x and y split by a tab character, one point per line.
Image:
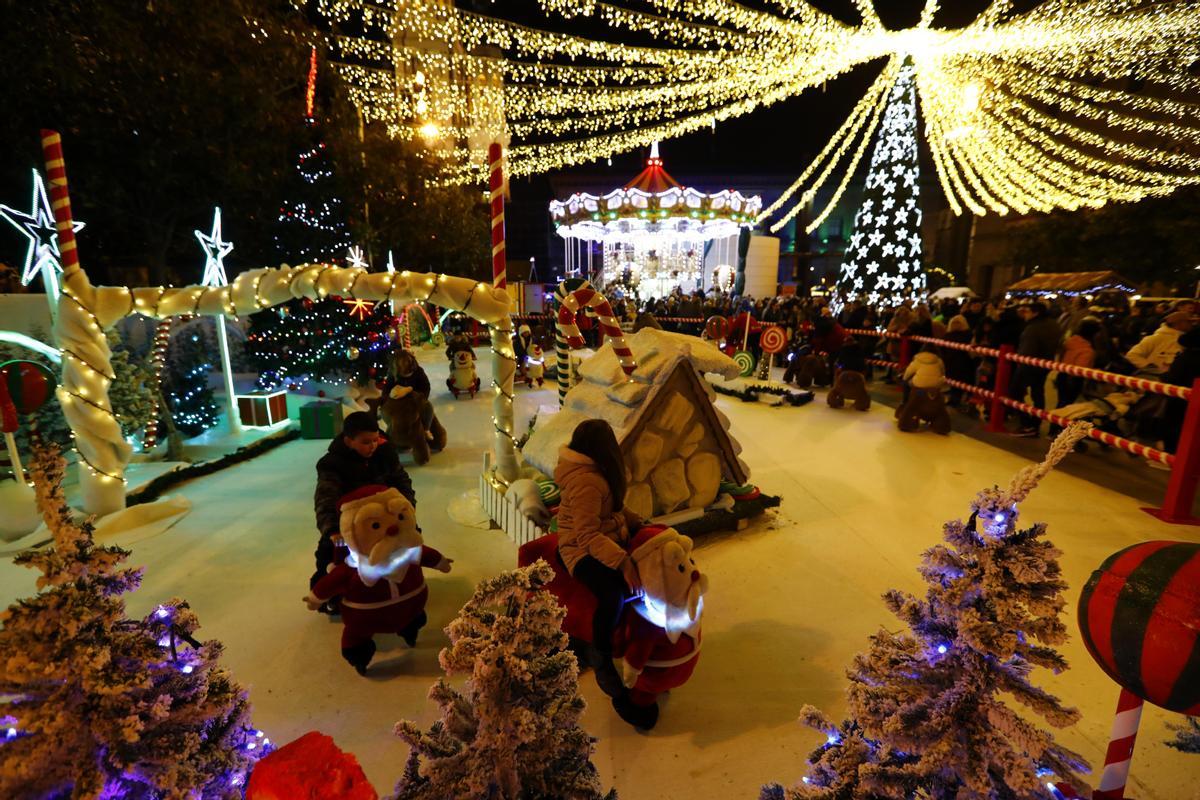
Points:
1160	342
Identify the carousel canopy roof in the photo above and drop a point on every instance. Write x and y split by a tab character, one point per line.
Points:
1072	283
653	205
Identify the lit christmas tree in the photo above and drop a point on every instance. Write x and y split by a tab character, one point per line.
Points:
131	392
926	713
513	731
96	705
185	385
883	260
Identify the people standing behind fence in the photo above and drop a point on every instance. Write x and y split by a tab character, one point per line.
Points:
1154	353
1039	338
1078	351
960	364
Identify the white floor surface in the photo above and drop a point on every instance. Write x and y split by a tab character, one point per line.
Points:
792	598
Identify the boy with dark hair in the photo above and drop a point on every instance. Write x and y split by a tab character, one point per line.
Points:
359	457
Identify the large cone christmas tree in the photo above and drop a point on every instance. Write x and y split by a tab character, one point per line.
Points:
927	711
883	260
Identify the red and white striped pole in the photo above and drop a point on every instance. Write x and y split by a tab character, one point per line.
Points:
496	187
60	201
1120	748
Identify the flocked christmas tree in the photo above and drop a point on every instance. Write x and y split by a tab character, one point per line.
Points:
1187	736
185	384
926	711
96	705
131	392
513	731
882	264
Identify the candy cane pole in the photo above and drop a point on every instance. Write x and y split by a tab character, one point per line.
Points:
162	338
1120	748
496	193
571	301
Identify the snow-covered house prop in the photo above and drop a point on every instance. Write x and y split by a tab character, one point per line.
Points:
676	442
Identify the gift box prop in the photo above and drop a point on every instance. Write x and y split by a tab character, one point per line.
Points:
262	409
321	419
658	636
1139	615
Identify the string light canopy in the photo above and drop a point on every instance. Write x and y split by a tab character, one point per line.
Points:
652	227
1074	103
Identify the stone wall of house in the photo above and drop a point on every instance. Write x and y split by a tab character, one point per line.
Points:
674	459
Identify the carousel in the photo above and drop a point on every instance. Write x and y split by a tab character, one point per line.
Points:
653	235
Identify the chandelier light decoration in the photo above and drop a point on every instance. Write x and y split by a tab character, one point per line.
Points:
652	232
1074	103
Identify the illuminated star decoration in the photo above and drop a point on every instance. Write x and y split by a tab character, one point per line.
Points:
38	226
355	258
215	251
391	265
359	308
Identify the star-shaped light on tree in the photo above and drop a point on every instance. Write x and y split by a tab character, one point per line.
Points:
391	265
215	251
38	227
355	258
359	308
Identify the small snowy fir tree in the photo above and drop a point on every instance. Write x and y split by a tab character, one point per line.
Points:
925	706
130	392
1187	736
513	732
185	385
96	705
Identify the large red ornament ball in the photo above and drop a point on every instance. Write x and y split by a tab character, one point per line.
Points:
1140	618
24	387
310	768
716	328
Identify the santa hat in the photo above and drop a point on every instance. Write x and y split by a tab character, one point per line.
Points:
646	540
361	493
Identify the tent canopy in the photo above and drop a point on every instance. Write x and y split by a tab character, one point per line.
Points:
1073	283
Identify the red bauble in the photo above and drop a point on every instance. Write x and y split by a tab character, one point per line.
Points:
371	372
320	393
1139	615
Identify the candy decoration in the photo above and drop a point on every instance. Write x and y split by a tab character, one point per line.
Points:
717	328
24	387
496	196
773	340
1139	615
745	362
572	296
1120	748
549	492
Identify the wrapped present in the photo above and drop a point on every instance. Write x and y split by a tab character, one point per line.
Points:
321	419
262	409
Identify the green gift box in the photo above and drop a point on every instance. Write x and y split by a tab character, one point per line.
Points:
321	420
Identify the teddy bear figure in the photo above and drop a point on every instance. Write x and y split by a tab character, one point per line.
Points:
405	410
463	379
806	370
381	583
535	366
658	640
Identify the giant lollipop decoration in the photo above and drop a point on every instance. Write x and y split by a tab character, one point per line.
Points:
1139	615
24	387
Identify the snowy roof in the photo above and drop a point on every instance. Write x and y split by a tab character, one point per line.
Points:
603	393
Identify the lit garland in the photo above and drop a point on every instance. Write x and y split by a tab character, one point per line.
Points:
1022	112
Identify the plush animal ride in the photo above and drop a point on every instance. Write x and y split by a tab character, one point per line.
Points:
401	409
658	635
924	405
535	366
807	370
381	584
463	379
849	385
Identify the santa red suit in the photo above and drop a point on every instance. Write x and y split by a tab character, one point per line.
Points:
384	607
647	648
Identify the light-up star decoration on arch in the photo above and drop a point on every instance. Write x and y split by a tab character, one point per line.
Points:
215	251
37	226
1074	103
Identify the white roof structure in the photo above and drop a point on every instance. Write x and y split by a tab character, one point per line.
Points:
603	392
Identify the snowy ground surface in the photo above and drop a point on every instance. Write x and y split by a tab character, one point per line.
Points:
792	598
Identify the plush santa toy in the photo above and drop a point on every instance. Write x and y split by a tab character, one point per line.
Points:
658	637
381	584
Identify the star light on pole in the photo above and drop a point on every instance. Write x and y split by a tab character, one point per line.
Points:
38	227
355	258
215	250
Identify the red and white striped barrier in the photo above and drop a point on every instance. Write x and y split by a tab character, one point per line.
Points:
1140	384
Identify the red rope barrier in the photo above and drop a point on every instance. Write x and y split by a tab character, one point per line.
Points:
1141	384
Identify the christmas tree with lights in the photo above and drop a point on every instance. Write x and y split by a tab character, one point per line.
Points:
926	711
131	392
185	386
882	264
513	730
96	705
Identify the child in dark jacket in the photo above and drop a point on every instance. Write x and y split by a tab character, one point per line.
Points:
359	457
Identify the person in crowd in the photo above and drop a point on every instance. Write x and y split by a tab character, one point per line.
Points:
1154	353
960	364
593	528
1078	350
1184	370
1078	309
403	370
1040	337
973	313
359	457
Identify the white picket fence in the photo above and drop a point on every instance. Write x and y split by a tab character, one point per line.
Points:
516	526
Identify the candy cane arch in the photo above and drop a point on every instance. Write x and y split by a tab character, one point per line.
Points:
85	311
496	196
572	295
